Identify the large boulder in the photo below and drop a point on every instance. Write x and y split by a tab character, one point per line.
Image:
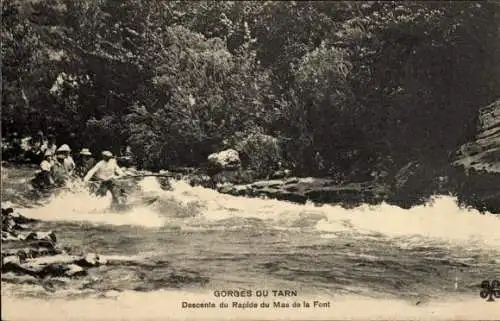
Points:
225	160
55	267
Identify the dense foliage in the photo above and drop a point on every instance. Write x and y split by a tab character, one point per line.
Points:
341	87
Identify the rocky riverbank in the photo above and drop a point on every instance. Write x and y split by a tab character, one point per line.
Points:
318	190
35	257
413	185
474	177
27	251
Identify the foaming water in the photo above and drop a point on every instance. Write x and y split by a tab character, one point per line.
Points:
81	206
418	263
440	219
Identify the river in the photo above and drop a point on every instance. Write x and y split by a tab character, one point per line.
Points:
193	241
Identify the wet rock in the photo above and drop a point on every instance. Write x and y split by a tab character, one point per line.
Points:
267	184
41	236
318	190
31	252
225	188
164	183
11	223
291	188
283	173
7	211
55	266
55	259
14	265
200	180
55	270
9	214
8	224
36	253
338	194
291	181
11	259
292	197
90	260
9	236
236	176
73	270
241	190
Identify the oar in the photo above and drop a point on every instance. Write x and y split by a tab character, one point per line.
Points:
145	175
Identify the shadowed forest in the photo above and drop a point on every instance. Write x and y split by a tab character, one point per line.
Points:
324	88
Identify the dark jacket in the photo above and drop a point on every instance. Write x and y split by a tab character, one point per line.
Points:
84	165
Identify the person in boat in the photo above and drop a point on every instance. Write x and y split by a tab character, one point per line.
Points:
51	145
35	147
59	173
43	179
84	163
68	162
63	166
104	173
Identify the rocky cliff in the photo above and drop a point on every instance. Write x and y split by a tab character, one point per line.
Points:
483	154
480	160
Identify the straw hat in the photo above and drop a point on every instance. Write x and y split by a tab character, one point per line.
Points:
64	148
85	151
107	153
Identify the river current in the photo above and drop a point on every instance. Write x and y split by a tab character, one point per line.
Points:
193	241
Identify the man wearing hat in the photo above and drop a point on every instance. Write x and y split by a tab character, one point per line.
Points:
85	162
105	171
63	165
44	178
64	153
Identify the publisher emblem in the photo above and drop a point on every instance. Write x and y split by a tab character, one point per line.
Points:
490	290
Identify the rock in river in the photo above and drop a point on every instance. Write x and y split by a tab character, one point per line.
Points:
318	190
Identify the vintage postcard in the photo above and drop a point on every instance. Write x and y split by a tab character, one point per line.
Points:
250	160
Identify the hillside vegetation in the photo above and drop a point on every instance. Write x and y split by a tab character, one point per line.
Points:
344	87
